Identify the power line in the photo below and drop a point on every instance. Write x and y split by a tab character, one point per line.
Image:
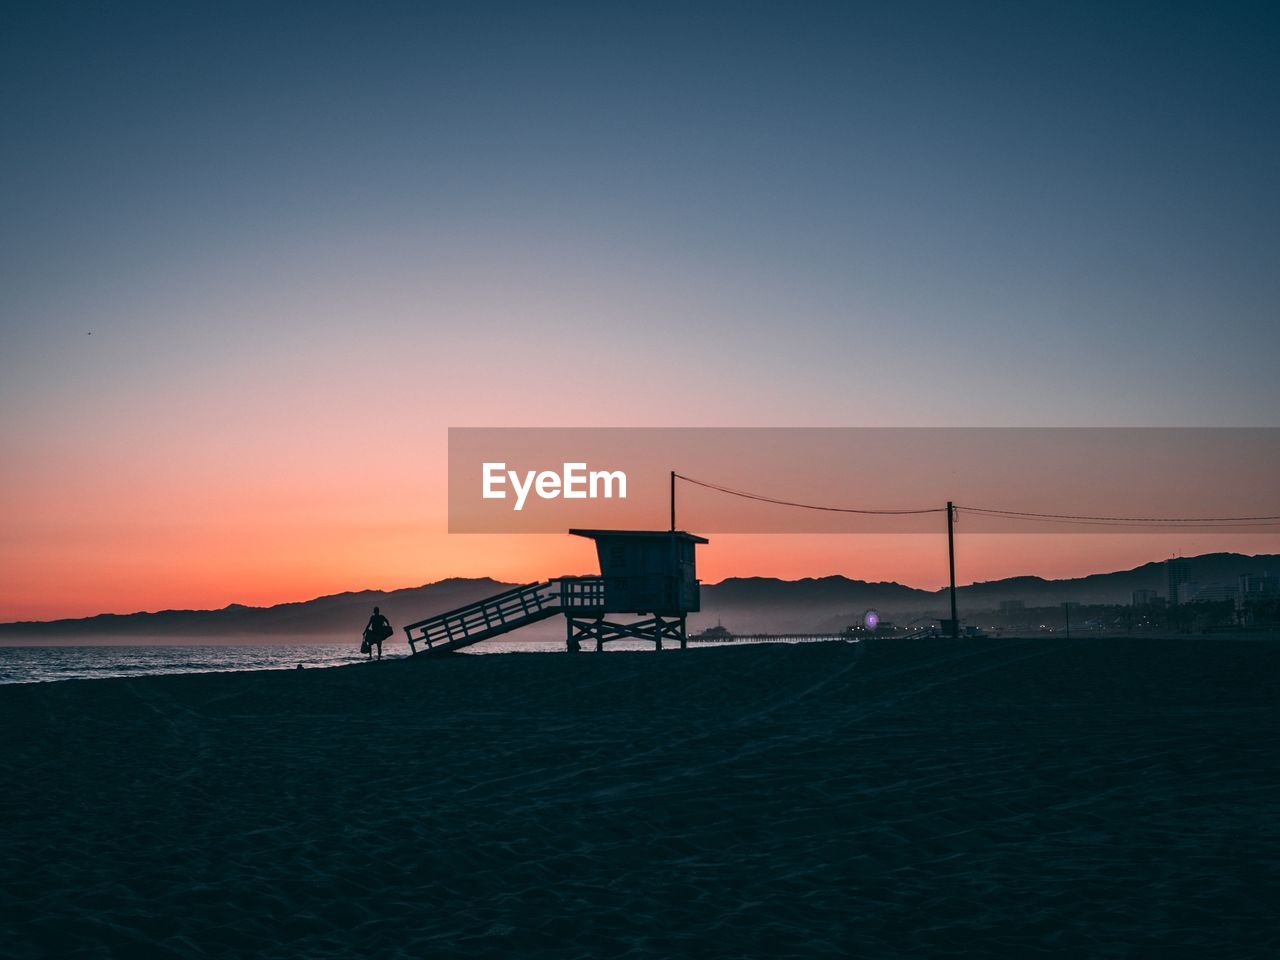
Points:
1132	525
1067	518
803	506
1021	514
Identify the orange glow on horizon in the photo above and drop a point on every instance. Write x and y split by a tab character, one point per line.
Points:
208	569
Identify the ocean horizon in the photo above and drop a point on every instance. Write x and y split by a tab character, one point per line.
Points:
48	662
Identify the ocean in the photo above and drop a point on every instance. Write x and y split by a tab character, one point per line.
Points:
39	664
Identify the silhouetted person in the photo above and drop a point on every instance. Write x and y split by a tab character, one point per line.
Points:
376	630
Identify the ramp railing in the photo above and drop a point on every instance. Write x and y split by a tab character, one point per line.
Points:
503	612
484	618
580	593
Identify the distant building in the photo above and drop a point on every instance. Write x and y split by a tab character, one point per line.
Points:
1252	587
1008	607
1144	598
1194	592
1256	600
718	632
1178	573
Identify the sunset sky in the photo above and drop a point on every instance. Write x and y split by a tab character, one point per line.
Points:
256	259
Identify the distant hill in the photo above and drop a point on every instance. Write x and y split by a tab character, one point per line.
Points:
743	604
766	605
1116	587
341	616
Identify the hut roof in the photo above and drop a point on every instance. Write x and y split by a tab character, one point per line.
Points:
638	534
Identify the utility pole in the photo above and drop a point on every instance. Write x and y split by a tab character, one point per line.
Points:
1066	614
673	501
951	561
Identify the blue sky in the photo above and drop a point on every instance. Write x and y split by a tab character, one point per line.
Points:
1015	194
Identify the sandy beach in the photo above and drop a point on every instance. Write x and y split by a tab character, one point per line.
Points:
928	798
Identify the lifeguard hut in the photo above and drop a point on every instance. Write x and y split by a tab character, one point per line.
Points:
650	574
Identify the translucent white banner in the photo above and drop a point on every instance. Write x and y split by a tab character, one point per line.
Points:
853	480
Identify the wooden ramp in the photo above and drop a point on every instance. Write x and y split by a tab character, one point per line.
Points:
503	612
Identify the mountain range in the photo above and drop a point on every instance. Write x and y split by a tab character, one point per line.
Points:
743	604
